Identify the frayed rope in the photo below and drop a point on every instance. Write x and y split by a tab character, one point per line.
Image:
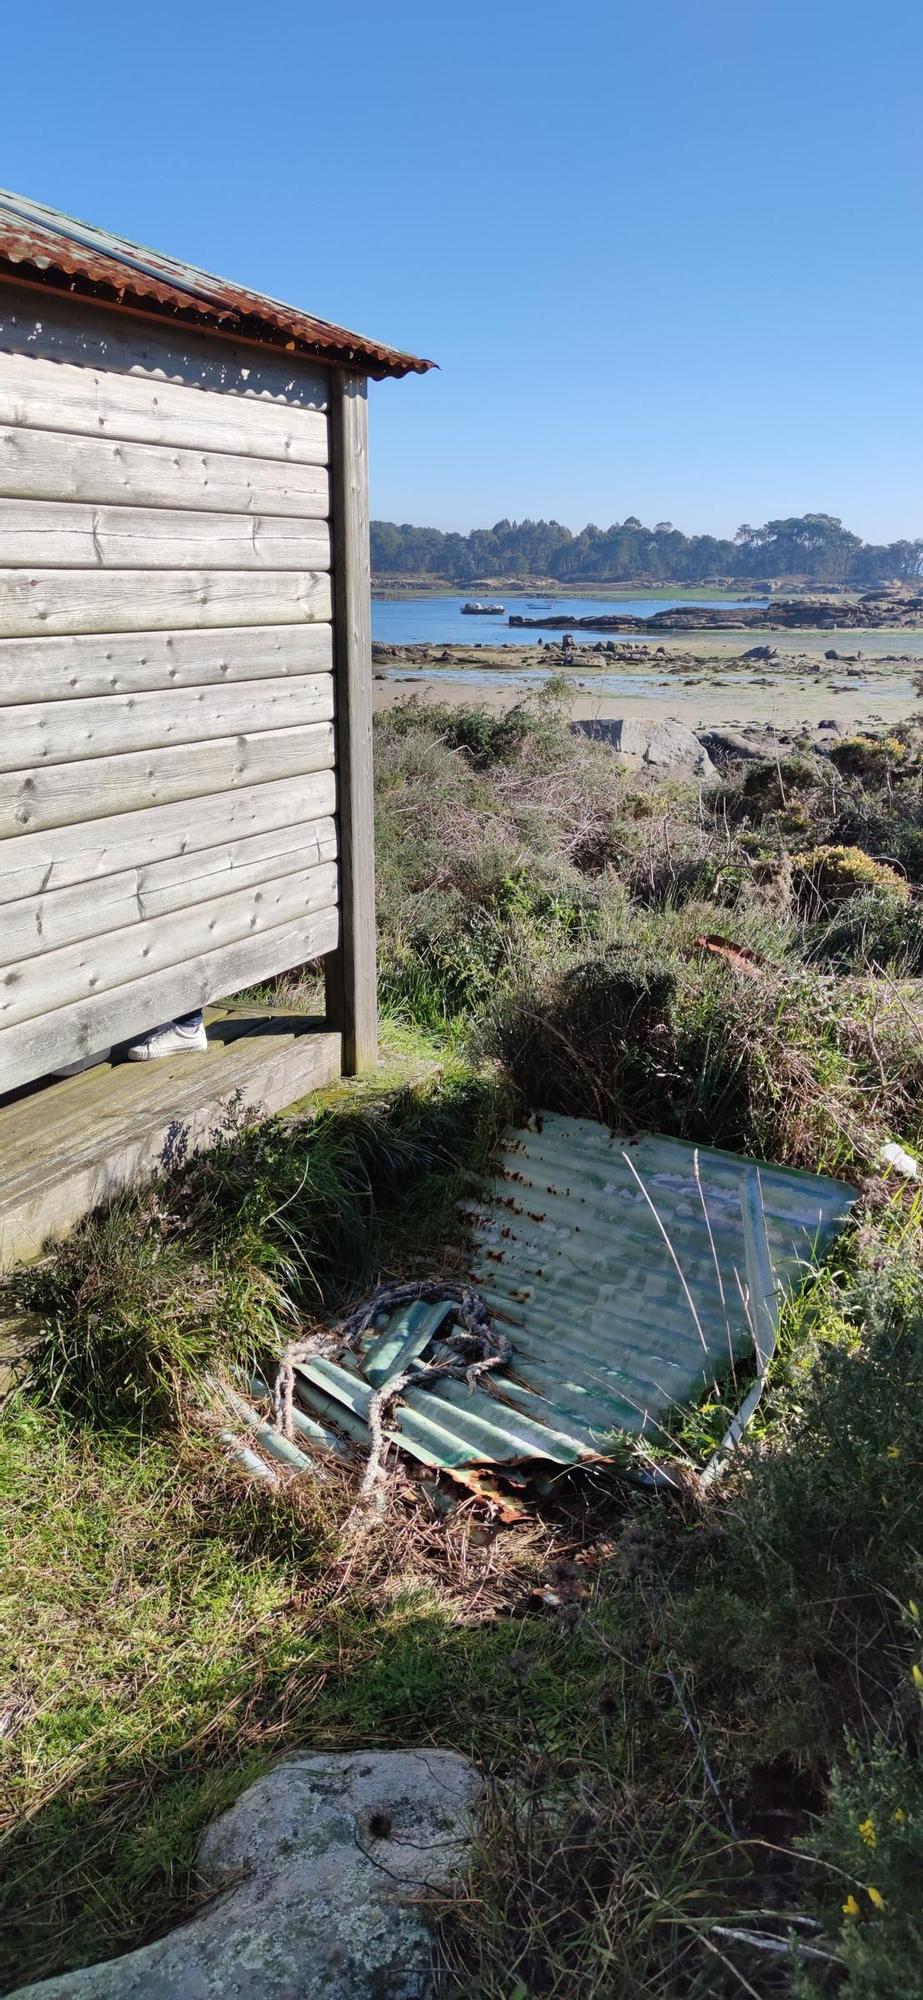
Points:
475	1349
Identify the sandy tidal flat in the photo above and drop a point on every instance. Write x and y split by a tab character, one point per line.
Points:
705	691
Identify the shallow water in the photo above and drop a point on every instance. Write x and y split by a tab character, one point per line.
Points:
438	621
654	684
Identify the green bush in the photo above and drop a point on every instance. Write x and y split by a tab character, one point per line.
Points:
869	1840
768	788
593	1043
868	757
826	876
874	931
212	1267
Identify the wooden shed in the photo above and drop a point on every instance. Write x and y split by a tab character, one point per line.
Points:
185	714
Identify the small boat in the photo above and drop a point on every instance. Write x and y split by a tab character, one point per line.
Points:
477	610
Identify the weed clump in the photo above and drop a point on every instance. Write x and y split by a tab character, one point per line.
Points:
593	1044
874	930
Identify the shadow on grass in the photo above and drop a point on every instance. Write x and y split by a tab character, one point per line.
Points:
210	1633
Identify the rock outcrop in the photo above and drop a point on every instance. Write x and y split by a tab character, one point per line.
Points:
322	1858
659	745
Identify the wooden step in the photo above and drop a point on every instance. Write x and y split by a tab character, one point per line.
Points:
69	1144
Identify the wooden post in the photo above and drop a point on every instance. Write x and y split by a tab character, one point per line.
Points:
351	971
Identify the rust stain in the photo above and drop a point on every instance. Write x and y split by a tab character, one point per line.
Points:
55	247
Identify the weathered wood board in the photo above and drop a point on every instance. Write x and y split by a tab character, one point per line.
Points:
71	534
351	978
36	1047
41	923
40	465
67	793
41	733
80	666
149	944
35	863
73	1145
37	601
89	336
54	396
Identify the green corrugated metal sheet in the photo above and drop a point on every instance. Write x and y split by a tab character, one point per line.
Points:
629	1274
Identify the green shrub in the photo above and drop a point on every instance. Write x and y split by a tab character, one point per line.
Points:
826	876
869	1840
795	1624
868	757
211	1267
874	930
593	1042
774	787
535	729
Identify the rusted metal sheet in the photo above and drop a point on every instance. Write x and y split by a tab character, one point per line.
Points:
629	1275
73	255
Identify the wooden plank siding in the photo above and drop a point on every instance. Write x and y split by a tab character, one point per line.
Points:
66	1034
70	534
74	600
83	665
169	804
41	733
42	922
79	971
75	330
31	863
40	465
65	794
54	396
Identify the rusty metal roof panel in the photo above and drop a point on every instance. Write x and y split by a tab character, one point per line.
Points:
76	256
629	1275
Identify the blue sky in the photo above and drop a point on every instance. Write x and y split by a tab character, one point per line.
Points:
667	256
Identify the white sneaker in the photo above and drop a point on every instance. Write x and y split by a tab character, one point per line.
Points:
168	1041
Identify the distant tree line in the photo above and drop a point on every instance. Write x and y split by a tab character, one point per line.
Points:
814	546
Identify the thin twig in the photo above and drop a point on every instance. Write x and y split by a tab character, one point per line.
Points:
780	1947
696	1735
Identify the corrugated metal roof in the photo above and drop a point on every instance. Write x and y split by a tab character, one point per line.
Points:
629	1274
75	256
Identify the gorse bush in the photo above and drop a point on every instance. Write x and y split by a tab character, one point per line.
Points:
870	1844
824	877
869	756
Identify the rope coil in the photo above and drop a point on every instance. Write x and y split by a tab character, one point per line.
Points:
474	1350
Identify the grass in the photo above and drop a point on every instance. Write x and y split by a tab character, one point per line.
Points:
698	1718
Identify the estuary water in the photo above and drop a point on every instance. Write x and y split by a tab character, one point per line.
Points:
439	621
